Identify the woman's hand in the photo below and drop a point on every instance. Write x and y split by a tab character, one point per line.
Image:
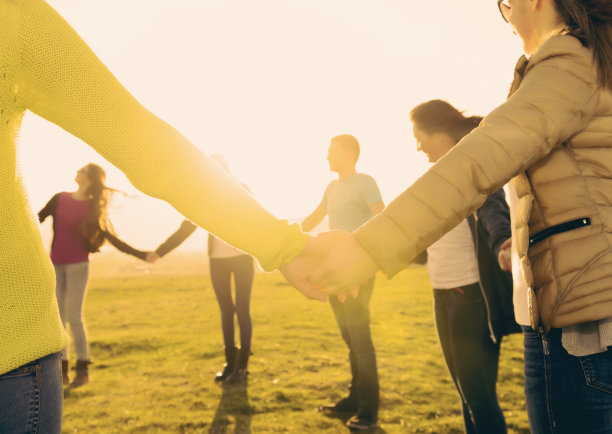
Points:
297	272
345	267
504	257
152	257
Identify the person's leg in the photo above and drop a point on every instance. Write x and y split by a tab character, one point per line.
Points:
565	393
243	278
338	309
31	397
441	315
357	313
473	358
242	268
348	405
537	369
60	294
589	391
220	276
77	276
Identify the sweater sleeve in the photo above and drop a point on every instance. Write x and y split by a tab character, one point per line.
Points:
63	81
124	247
182	233
48	209
556	99
495	217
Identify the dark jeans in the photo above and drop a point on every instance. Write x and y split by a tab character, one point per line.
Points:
221	270
565	393
31	397
353	317
471	356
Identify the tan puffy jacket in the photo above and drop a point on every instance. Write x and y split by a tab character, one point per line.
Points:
554	135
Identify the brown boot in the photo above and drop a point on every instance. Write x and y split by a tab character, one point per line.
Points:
65	378
82	374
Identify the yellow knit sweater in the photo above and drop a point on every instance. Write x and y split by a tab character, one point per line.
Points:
45	67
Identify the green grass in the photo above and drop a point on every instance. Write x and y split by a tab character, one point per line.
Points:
156	343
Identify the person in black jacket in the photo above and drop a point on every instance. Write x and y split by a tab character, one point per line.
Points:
472	295
80	227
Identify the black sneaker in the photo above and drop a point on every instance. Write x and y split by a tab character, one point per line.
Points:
345	407
361	422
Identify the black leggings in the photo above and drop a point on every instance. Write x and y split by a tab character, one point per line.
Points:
221	270
471	356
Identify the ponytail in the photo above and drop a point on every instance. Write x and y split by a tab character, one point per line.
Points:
590	21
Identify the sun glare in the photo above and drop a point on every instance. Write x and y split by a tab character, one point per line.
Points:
268	83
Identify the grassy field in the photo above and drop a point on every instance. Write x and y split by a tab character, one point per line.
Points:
156	343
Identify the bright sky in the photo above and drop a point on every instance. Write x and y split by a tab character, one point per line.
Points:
268	83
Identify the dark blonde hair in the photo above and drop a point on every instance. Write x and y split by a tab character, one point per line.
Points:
96	222
591	22
438	116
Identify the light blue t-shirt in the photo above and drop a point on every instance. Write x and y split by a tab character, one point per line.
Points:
348	201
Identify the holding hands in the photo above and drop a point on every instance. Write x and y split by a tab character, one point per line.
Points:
298	271
333	263
345	266
152	257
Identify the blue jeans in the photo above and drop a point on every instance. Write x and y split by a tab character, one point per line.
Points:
31	397
70	290
471	356
353	317
565	393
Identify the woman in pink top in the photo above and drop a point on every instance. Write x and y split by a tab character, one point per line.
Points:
80	227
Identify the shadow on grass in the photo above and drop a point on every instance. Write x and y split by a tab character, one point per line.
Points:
234	404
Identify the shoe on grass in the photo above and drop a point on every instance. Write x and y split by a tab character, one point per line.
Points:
361	422
345	407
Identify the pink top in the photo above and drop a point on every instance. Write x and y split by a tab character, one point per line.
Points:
68	244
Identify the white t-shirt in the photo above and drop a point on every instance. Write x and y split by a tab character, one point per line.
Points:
521	308
220	249
451	261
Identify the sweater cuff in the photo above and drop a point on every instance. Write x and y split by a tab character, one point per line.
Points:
294	241
384	240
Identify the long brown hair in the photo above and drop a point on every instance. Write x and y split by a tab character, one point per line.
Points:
591	22
438	116
96	222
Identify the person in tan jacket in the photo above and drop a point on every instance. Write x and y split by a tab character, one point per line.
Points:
554	137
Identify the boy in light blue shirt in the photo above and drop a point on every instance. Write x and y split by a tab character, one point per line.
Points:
350	201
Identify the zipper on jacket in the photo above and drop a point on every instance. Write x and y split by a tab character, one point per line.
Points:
544	340
482	291
559	229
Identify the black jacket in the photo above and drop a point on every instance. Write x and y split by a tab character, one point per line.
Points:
490	227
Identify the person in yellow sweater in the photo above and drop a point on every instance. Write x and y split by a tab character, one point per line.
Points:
554	136
46	67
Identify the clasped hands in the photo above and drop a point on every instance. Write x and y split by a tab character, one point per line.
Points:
332	263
